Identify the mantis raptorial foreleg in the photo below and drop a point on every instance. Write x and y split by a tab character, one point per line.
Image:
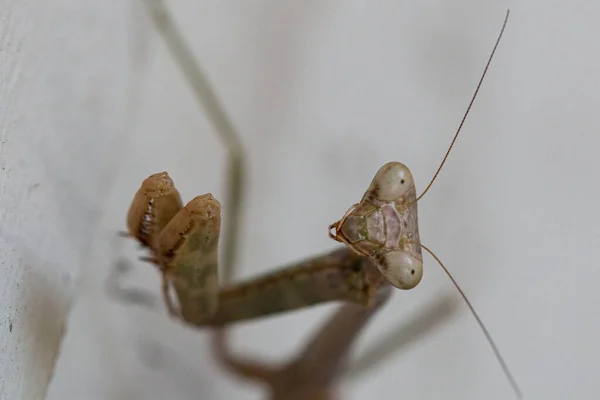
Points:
183	241
186	252
336	276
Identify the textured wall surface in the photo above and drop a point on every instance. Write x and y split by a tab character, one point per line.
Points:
65	102
323	94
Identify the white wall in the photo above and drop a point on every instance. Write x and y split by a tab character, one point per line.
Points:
66	101
324	93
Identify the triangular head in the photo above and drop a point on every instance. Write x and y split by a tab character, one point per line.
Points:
384	226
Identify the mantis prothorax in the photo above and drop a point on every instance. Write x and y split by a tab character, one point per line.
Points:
380	232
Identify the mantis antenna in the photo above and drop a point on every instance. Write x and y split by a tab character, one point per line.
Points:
462	122
383	226
509	376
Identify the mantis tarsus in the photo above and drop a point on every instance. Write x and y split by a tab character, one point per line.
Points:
382	250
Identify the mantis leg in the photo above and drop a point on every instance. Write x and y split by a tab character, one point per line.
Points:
206	97
337	276
316	369
322	360
185	249
184	242
253	370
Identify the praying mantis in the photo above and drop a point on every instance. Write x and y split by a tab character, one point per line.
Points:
381	251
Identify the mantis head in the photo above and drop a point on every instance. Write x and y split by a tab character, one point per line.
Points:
384	226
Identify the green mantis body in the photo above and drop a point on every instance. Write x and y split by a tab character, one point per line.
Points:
382	250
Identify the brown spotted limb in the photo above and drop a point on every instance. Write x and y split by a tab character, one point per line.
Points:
380	232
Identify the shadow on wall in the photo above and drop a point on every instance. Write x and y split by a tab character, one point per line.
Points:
40	316
427	321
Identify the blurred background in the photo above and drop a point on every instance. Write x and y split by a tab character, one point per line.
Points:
324	93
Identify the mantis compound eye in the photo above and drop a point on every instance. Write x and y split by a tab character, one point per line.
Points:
391	182
401	269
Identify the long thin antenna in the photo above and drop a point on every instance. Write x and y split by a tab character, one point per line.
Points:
509	376
468	108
